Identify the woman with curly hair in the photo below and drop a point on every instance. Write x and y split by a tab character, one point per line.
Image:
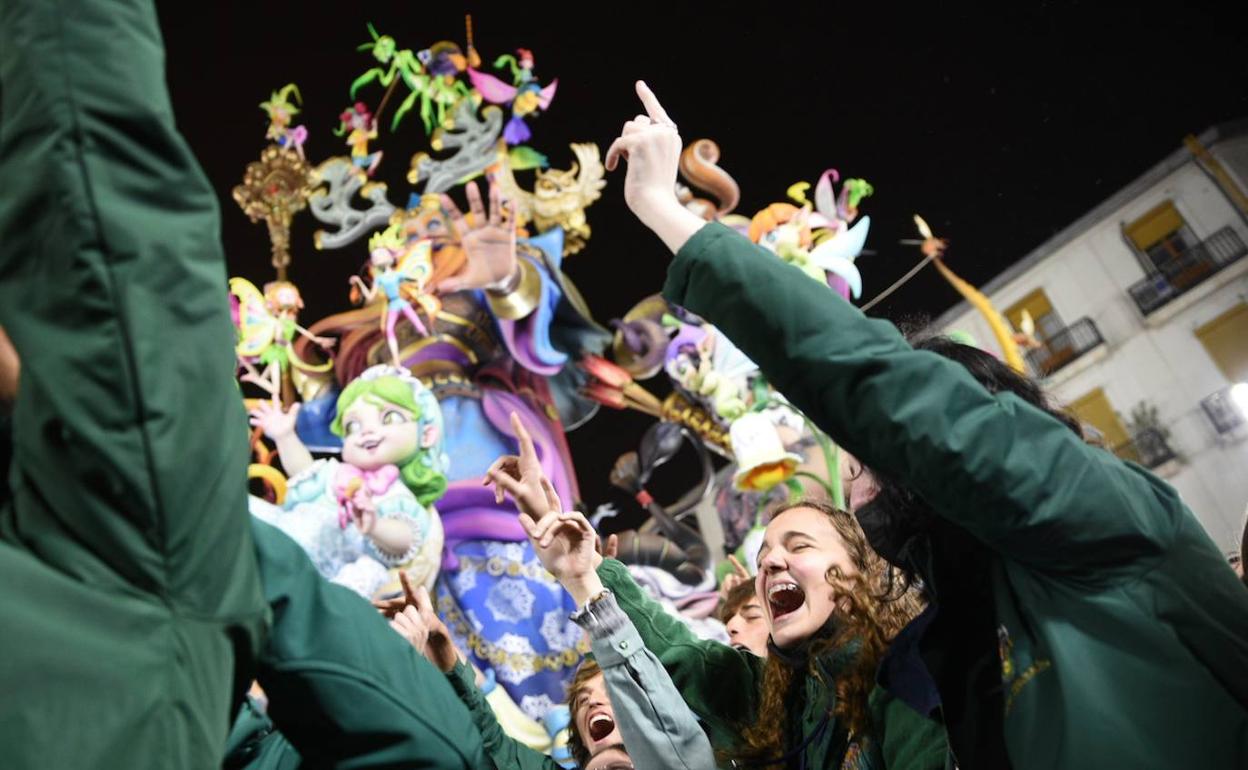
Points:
825	597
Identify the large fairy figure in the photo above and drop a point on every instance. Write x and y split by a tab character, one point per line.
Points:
371	513
501	335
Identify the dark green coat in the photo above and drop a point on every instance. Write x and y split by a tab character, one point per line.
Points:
136	600
131	600
344	689
1124	634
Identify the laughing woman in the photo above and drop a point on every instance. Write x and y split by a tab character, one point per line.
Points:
813	703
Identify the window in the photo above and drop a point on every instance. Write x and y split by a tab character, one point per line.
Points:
1048	322
1226	340
1094	409
1160	237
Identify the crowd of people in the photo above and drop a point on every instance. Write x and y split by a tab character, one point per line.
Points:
996	592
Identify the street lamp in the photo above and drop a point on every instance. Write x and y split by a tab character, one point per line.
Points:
1239	397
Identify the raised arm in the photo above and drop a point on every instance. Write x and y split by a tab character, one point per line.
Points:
1011	474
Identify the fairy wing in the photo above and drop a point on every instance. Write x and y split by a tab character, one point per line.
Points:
416	264
257	328
547	94
836	255
846	244
491	88
825	200
591	178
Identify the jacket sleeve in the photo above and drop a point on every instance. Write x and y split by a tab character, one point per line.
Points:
344	688
658	727
907	740
718	682
1009	473
506	752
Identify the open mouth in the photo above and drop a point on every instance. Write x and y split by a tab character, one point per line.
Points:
600	726
784	598
370	445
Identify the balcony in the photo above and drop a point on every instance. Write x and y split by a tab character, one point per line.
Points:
1222	411
1065	347
1148	448
1182	273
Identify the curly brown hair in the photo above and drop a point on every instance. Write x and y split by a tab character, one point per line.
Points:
871	614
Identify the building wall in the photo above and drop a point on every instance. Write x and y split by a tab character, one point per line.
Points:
1157	359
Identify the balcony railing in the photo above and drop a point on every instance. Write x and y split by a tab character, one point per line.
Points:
1148	448
1222	411
1184	272
1065	347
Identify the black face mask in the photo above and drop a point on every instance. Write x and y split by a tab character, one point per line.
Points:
890	533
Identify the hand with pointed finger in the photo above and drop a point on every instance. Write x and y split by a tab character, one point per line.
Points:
413	616
651	146
489	243
738	575
522	477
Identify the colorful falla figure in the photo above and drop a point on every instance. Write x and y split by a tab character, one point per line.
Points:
933	249
817	237
267	326
280	110
400	271
525	96
370	514
708	366
762	461
360	127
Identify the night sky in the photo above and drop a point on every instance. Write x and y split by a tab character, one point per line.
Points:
999	129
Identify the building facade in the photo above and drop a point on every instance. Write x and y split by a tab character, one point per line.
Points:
1141	314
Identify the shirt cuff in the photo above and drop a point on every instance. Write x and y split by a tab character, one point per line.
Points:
612	635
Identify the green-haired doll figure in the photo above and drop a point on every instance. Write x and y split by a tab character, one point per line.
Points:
371	513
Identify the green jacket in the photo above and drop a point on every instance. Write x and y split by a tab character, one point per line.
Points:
132	607
503	750
721	685
136	589
344	689
1123	634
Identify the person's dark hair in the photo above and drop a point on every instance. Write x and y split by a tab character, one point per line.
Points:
896	506
738	596
995	375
